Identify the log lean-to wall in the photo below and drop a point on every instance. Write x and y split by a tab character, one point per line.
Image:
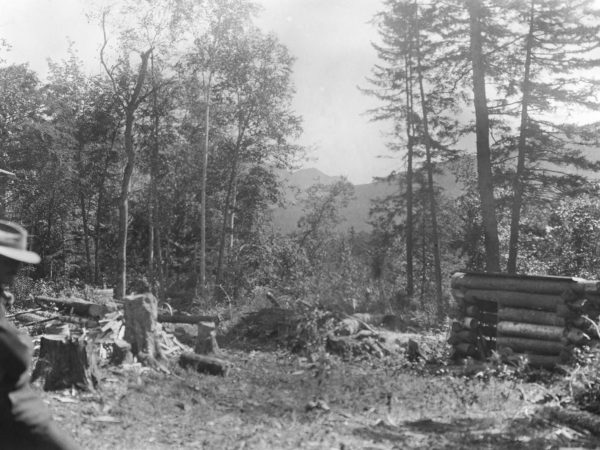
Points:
541	319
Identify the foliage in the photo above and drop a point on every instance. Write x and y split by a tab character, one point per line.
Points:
566	243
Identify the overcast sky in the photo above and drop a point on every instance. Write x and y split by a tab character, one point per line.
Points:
331	40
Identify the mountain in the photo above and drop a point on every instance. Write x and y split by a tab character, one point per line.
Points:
356	214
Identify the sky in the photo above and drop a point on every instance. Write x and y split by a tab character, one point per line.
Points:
331	40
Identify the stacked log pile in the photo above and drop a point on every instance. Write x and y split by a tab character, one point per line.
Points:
539	318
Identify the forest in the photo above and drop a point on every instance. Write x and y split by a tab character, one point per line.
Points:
161	173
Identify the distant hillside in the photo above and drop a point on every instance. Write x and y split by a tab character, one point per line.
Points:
357	213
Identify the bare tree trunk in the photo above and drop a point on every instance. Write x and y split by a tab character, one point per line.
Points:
410	282
159	264
124	209
153	181
86	236
231	227
519	182
100	208
484	164
230	200
431	188
202	271
84	214
227	212
130	108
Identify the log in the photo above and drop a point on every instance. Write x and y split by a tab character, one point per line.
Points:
470	323
81	321
65	362
576	419
575	336
20	313
30	318
565	312
204	364
534	284
530	316
76	305
185	318
532	331
206	341
534	346
141	326
546	302
538	361
348	327
488	330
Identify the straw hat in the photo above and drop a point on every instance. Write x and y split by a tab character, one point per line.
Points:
13	243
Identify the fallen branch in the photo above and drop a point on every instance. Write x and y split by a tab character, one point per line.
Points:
579	420
20	313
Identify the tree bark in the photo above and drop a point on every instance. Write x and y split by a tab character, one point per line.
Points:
431	188
410	282
78	306
84	213
536	346
527	300
206	341
484	164
529	330
141	327
519	182
130	109
65	362
100	208
530	316
153	197
202	269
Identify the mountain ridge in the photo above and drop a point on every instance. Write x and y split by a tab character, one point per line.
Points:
356	214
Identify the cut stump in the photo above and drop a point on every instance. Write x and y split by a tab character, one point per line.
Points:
65	362
121	352
206	342
141	326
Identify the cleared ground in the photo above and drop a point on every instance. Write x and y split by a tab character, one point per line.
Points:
275	400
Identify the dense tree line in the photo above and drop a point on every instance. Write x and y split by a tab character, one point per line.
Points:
160	172
512	74
157	171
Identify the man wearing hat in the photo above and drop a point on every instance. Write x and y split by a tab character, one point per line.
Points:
25	422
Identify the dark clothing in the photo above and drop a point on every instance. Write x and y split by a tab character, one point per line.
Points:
25	423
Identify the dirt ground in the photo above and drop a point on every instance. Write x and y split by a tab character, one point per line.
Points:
275	400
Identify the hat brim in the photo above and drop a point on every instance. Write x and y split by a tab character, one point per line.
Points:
20	255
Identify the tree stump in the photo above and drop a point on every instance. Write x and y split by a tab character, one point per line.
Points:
121	352
65	362
206	342
141	326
